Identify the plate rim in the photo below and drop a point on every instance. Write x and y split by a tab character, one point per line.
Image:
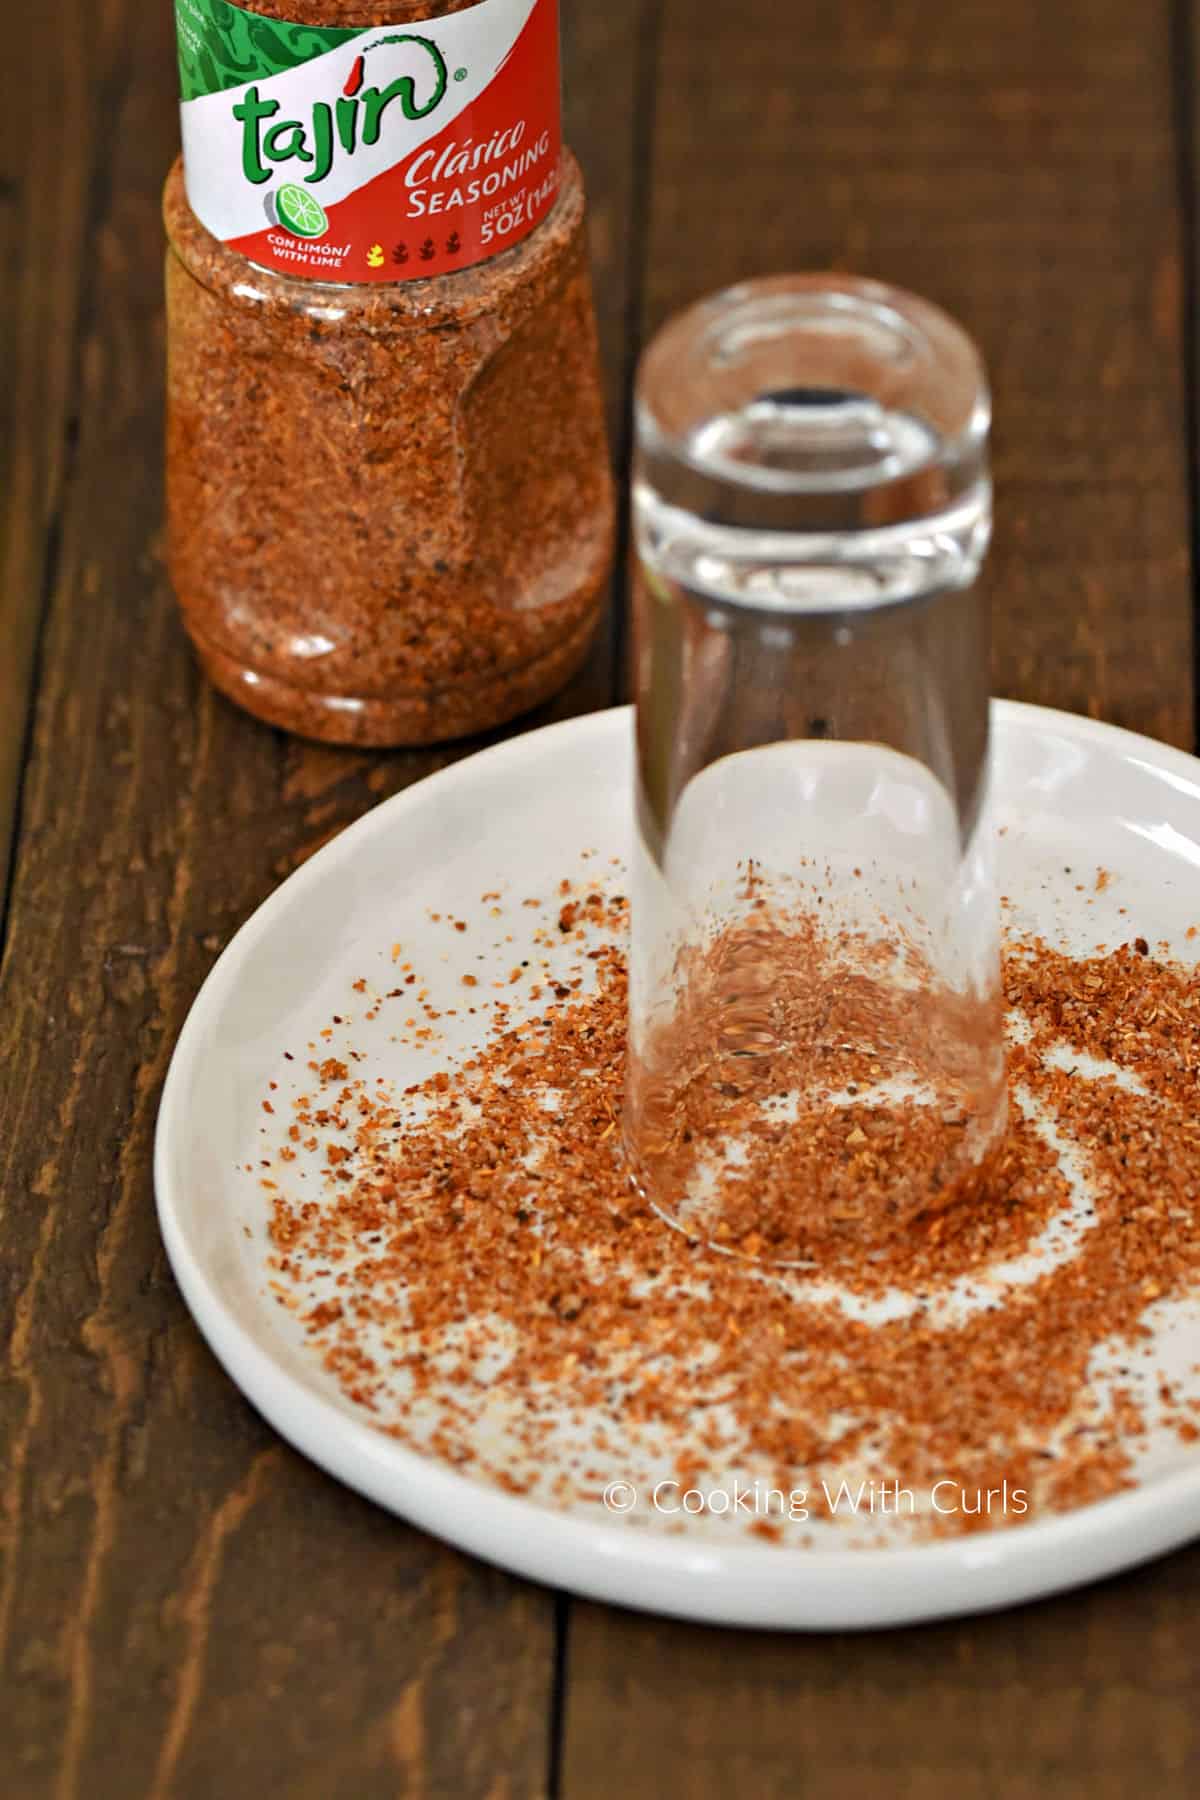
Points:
774	1586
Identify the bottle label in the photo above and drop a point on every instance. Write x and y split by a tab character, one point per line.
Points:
381	154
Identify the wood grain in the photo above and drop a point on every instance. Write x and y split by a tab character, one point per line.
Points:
186	1608
1085	1697
1016	162
1185	16
48	125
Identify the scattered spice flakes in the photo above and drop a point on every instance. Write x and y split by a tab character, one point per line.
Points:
485	1231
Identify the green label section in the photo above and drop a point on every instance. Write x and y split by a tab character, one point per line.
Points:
221	46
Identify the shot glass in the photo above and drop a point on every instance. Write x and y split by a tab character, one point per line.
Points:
815	1018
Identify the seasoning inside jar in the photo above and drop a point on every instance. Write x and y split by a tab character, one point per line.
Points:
390	511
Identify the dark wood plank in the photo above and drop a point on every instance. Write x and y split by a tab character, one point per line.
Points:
1186	26
48	126
1015	161
187	1608
1063	1698
1016	164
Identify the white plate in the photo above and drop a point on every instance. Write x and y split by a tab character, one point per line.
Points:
1073	796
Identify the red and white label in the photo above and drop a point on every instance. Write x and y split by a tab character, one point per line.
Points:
388	154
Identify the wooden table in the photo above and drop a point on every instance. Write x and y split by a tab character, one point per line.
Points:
186	1607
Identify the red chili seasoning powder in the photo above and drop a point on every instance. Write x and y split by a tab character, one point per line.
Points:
390	512
800	1059
492	1260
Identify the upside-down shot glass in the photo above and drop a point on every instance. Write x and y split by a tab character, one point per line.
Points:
815	1044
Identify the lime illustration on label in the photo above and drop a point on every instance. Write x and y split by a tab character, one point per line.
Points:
300	212
447	137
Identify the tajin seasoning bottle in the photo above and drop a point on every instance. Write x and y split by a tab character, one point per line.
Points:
389	504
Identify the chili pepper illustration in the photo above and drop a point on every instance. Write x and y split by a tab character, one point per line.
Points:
355	78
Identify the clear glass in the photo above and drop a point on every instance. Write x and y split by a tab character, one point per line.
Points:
815	1046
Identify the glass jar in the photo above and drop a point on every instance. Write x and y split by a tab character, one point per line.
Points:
390	510
816	1025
